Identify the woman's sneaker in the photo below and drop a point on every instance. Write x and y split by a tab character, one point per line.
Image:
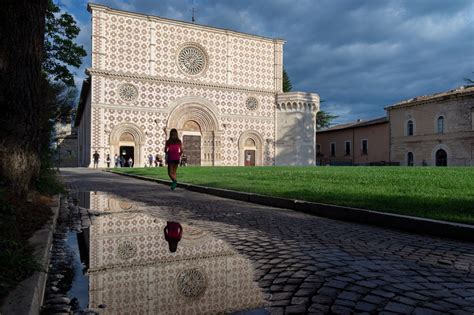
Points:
173	185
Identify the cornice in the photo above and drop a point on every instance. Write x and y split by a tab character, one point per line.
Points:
149	78
103	8
167	111
298	97
430	99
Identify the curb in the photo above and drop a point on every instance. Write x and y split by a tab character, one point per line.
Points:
28	295
457	231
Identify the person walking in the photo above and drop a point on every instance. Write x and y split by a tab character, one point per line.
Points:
96	157
173	152
116	160
130	162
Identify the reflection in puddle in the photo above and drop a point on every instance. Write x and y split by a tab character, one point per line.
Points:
141	264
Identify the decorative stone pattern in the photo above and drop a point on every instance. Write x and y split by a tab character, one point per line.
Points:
191	283
192	59
151	111
128	92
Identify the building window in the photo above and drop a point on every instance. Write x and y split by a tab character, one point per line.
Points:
318	149
441	158
333	149
365	147
410	159
440	124
410	128
348	148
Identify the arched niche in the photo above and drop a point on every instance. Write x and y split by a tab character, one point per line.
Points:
251	140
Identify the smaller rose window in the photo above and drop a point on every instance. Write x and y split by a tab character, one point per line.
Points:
251	103
191	283
126	250
128	92
192	60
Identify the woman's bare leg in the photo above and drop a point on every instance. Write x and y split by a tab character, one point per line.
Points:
170	171
174	169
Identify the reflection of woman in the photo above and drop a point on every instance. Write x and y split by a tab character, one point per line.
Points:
173	232
173	150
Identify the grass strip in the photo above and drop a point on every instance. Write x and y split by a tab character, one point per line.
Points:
430	192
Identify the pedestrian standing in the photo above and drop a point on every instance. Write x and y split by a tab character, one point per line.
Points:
173	152
107	160
116	160
130	162
96	157
157	159
150	160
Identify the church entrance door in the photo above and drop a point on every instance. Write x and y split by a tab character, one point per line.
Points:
192	149
249	157
127	152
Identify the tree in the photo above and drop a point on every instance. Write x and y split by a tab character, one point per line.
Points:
287	86
22	90
324	119
30	64
60	49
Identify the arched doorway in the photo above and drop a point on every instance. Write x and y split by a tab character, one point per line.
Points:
249	152
441	158
250	149
127	141
127	149
410	160
198	127
192	142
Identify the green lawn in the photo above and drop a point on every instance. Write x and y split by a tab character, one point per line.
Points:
437	193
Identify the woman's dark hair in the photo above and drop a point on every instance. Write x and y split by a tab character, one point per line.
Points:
173	139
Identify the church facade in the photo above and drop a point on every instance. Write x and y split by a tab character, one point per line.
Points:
221	89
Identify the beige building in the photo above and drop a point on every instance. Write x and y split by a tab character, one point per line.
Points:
221	89
434	130
65	145
357	143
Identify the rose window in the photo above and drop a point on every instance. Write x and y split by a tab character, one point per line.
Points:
191	283
126	250
251	103
192	60
128	92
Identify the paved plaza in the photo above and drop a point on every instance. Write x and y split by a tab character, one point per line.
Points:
307	264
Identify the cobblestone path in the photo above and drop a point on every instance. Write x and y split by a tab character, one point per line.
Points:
311	265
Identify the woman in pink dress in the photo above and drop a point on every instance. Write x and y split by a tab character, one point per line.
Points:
173	151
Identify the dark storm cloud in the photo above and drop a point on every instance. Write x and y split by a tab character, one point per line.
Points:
358	55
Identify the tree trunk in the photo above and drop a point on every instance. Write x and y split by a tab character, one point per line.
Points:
22	91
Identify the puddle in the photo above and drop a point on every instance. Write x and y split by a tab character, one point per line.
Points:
128	260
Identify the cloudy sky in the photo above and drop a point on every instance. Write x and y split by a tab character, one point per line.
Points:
358	55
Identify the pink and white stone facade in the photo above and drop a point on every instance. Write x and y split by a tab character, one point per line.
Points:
151	74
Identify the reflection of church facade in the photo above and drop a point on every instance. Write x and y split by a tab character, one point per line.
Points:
221	89
131	270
